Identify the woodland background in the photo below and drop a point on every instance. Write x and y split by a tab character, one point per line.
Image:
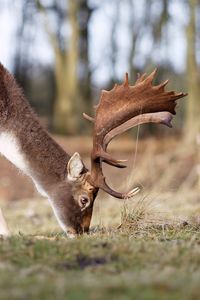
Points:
64	52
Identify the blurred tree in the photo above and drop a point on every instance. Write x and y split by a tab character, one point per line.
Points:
192	124
65	120
150	24
139	38
69	41
24	38
135	34
84	15
154	20
113	41
37	81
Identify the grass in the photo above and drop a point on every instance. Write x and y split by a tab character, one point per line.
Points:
103	266
148	248
147	256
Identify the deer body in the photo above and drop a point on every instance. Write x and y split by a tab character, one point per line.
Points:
64	180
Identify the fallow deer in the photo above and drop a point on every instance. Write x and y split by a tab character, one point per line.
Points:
70	187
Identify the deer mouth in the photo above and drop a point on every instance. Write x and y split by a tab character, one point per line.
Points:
74	232
71	235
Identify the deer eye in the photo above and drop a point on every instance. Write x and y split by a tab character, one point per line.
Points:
84	200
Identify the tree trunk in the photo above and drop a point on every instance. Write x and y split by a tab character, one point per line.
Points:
84	65
67	106
192	125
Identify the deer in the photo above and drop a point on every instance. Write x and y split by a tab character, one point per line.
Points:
63	179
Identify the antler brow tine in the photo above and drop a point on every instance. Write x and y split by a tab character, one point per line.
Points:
88	117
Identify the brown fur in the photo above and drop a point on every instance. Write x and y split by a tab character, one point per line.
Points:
19	118
47	160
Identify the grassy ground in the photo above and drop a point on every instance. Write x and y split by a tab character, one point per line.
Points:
142	253
146	248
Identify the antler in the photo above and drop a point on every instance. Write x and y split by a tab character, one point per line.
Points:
120	109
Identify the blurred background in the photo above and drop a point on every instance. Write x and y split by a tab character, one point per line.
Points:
63	52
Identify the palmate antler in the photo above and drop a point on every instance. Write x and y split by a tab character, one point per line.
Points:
120	109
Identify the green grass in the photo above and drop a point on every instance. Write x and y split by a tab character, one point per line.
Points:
143	258
102	266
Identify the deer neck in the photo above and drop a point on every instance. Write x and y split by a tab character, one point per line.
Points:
35	153
39	157
25	142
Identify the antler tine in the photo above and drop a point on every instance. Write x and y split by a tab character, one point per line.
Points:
88	117
162	85
126	80
118	195
140	78
151	76
164	118
103	186
121	109
107	158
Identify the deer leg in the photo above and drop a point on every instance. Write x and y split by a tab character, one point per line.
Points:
3	225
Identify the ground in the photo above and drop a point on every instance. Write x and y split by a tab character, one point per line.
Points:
144	248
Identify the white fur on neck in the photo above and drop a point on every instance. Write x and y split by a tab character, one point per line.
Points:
10	148
39	188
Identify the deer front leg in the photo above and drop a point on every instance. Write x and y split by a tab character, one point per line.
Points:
3	225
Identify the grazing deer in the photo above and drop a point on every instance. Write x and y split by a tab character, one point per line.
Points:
64	180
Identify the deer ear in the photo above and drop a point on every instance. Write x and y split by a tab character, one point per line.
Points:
74	167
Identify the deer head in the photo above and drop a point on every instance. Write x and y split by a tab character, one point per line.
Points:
68	184
78	194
